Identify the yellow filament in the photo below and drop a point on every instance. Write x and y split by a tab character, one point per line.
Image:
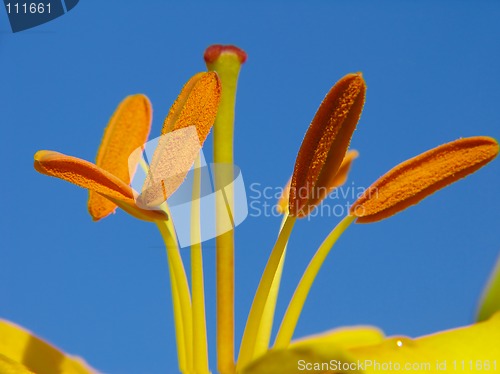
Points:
294	309
200	349
266	325
177	268
247	349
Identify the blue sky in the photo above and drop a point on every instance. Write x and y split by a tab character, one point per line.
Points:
100	290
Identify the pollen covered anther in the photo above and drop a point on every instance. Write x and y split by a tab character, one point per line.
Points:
127	130
325	143
90	176
413	180
184	131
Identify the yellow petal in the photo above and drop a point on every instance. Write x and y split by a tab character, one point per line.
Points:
467	350
322	348
8	366
89	176
417	178
326	141
195	108
127	130
344	337
23	352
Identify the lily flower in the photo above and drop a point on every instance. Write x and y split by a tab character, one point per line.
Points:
322	164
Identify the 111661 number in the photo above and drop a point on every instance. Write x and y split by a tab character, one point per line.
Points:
26	8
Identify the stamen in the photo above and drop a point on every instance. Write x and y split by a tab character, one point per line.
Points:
415	179
326	142
127	130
